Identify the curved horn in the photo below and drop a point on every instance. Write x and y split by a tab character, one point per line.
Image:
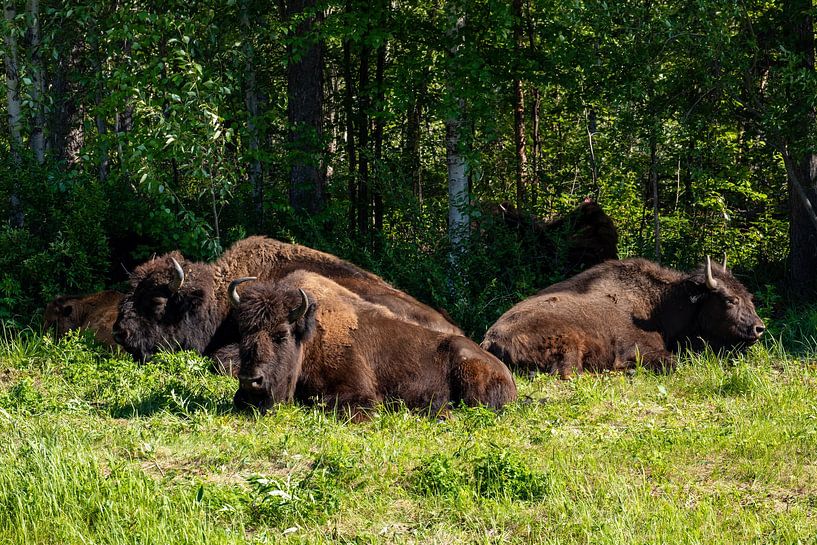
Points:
297	313
724	261
711	283
177	282
234	298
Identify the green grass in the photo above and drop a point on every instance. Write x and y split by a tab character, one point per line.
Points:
97	449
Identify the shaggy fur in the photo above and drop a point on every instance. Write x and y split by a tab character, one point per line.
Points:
95	312
352	354
197	316
620	311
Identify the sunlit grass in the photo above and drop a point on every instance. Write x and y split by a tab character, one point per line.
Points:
98	449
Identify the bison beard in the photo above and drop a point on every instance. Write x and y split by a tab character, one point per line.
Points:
95	312
308	339
178	304
618	312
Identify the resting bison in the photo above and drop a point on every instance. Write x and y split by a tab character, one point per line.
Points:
619	311
179	304
307	338
582	238
95	312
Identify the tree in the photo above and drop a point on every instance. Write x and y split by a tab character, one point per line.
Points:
305	107
14	108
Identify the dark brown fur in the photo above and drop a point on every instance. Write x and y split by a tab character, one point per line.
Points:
582	238
95	312
353	354
619	311
152	317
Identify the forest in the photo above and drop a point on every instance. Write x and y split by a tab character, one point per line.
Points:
385	132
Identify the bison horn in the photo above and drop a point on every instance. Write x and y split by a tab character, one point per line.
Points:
724	261
177	282
234	298
297	313
711	283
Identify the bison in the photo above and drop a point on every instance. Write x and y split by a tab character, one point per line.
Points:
96	312
179	304
580	239
307	338
618	312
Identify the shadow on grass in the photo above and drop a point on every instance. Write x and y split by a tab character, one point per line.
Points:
177	400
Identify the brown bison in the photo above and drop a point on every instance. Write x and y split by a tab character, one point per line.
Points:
95	312
178	304
582	238
618	312
309	339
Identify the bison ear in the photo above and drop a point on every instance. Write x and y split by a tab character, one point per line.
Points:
305	327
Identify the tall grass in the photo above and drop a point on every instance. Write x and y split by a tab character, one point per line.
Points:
97	449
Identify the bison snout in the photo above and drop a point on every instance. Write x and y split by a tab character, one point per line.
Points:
759	329
251	383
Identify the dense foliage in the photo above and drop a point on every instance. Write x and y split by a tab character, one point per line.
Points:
145	127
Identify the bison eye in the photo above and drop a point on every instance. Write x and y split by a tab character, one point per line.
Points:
731	302
278	338
159	304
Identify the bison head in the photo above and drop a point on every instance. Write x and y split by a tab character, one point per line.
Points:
274	328
726	316
171	305
62	315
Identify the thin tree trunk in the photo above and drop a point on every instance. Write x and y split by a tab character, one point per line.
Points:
363	141
305	111
519	113
536	152
458	219
37	138
348	106
655	207
254	174
377	193
590	123
14	108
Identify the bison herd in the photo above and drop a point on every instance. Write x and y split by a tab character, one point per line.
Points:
294	324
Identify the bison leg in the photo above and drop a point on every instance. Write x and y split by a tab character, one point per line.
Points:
650	350
478	378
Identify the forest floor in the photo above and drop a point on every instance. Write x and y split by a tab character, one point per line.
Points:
98	449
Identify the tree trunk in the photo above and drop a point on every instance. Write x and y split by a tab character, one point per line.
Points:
254	173
654	187
14	106
37	138
348	106
798	36
305	111
377	194
458	219
412	148
519	113
363	142
590	120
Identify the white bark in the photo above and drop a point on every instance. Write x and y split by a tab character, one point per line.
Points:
37	82
13	82
457	186
14	108
458	220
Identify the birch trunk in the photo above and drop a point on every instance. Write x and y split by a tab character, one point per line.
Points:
37	83
14	107
458	219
